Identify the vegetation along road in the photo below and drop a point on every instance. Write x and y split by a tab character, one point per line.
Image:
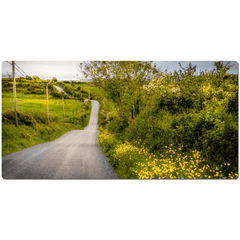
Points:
75	155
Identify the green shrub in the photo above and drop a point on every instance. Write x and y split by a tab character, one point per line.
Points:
108	142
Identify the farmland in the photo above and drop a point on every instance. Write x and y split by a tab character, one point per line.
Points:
32	114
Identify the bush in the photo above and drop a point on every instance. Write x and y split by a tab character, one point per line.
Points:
28	119
118	124
108	142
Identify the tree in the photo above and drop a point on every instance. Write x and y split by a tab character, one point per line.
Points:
221	68
36	78
188	71
122	81
28	78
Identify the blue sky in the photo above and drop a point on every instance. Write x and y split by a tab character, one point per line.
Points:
201	65
67	70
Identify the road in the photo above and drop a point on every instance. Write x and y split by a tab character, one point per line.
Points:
75	155
60	90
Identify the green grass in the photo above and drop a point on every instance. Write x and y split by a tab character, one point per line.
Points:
32	129
90	87
37	103
16	139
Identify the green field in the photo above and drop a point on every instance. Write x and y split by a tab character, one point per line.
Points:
32	116
95	91
38	103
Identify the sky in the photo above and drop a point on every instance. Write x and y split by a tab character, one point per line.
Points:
201	65
62	70
67	70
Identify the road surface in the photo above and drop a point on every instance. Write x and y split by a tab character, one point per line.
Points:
75	155
60	90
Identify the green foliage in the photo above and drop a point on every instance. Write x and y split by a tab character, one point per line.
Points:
122	81
118	124
186	72
221	68
194	113
108	143
73	90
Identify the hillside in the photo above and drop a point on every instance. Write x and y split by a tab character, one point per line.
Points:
32	113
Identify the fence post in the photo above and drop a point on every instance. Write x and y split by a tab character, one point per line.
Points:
63	111
47	104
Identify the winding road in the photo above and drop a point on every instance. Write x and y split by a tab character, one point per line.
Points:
75	155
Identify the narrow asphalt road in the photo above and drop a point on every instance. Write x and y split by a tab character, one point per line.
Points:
75	155
59	89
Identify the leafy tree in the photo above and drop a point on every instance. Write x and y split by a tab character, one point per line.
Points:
122	80
28	78
36	78
221	68
188	71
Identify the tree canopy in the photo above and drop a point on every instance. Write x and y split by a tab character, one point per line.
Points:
122	80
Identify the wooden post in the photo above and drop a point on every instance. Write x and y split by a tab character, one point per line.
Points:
14	93
63	111
47	104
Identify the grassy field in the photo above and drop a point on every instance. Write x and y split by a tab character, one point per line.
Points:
32	117
95	91
37	103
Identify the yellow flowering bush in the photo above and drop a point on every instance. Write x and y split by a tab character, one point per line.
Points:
107	141
196	112
104	135
125	157
173	164
131	161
